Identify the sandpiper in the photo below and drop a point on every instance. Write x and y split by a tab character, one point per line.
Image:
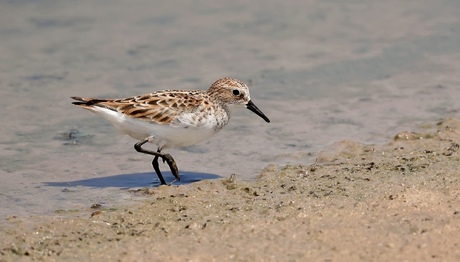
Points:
173	118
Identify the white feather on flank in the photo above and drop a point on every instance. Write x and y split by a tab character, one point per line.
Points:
165	136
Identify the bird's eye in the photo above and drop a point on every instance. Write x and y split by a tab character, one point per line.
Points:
236	92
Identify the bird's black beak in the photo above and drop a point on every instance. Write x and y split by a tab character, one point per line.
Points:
251	106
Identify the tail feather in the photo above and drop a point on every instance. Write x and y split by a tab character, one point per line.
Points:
85	101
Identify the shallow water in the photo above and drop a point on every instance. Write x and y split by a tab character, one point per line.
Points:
322	71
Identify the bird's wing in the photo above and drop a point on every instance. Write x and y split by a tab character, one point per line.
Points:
160	107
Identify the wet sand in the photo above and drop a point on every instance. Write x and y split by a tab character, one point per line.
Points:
394	202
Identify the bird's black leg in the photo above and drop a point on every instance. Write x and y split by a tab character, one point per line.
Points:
166	157
172	166
157	170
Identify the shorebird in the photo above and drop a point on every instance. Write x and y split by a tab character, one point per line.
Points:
173	118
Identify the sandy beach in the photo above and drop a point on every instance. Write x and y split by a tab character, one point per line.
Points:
395	202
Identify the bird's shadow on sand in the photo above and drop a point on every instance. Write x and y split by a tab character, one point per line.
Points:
135	180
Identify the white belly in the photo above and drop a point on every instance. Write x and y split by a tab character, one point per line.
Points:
165	136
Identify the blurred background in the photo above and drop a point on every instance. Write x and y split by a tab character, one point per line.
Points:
322	71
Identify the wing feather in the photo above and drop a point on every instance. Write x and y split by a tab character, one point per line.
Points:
160	107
